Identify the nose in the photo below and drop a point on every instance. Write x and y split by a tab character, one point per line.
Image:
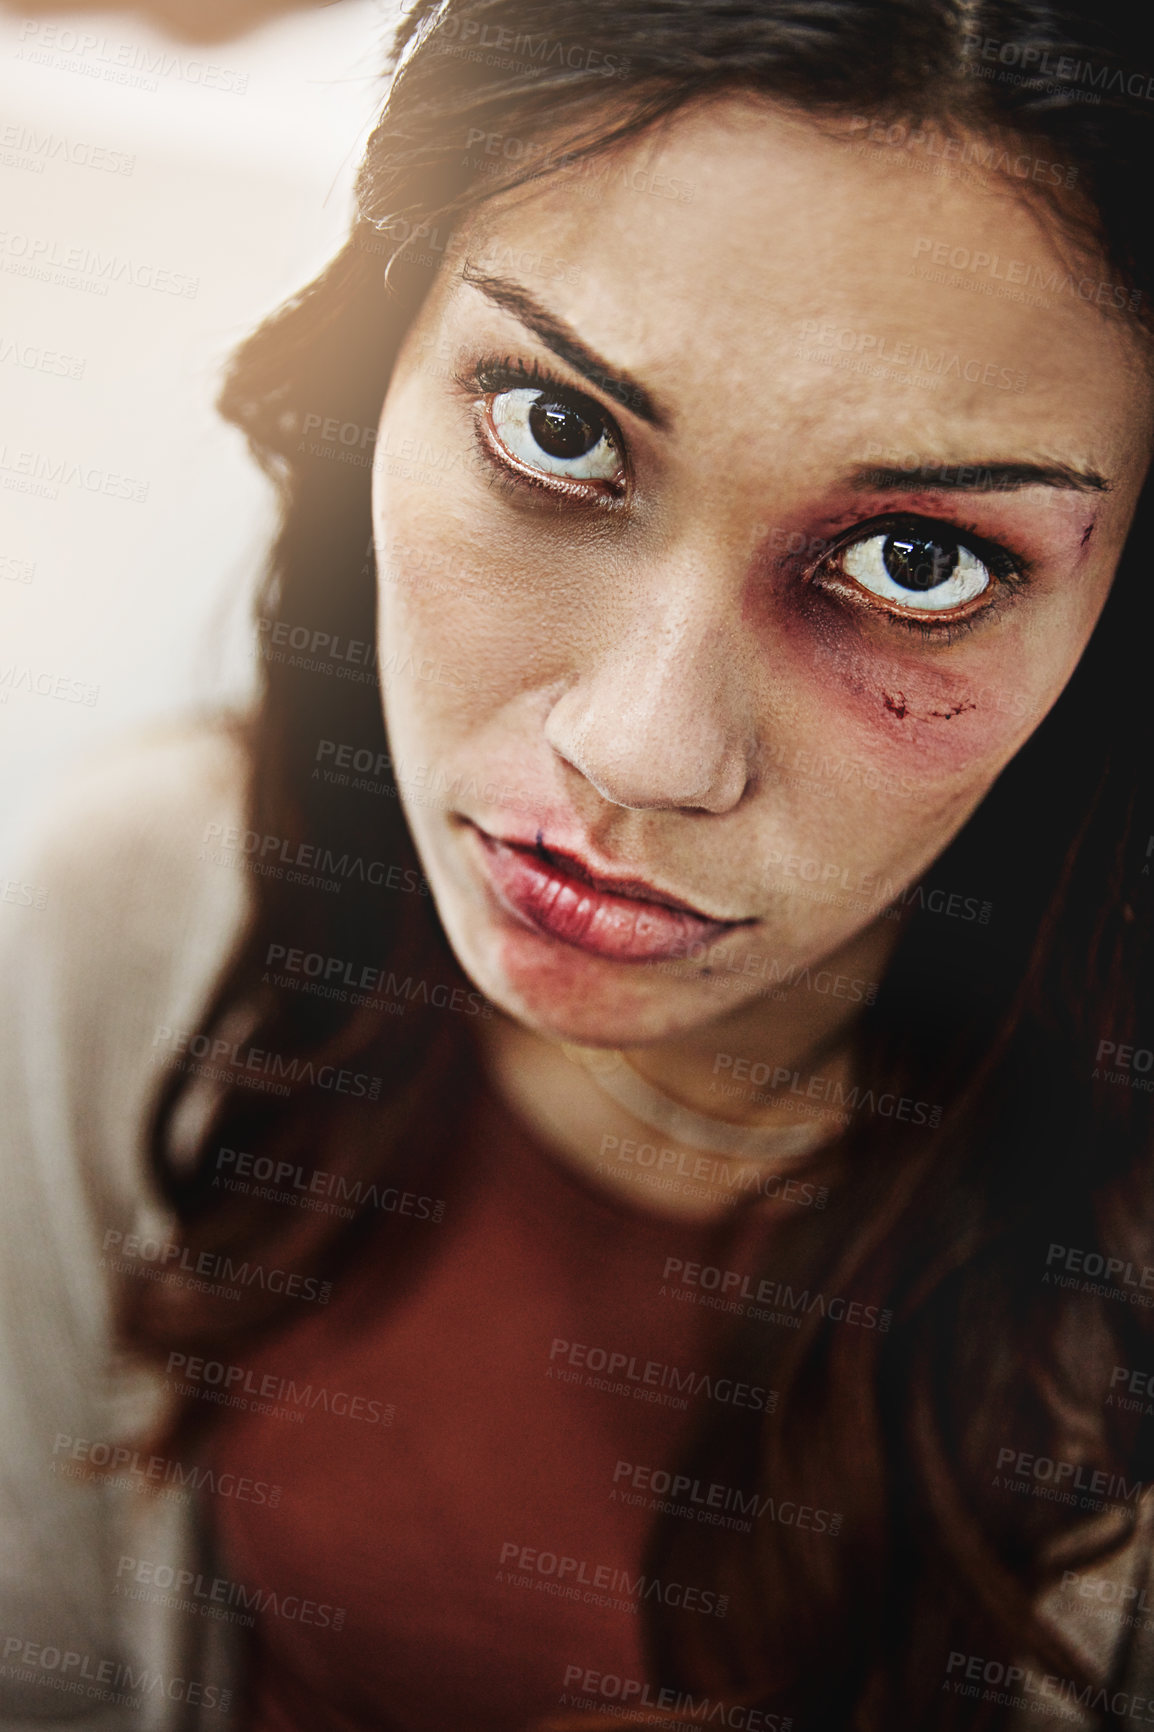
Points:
659	718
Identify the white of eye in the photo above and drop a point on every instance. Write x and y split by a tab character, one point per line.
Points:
951	575
554	435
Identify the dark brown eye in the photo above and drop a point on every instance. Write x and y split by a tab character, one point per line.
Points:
556	434
919	562
917	570
561	430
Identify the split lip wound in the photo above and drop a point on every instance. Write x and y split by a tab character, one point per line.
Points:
624	920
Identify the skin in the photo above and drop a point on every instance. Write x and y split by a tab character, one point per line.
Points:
653	680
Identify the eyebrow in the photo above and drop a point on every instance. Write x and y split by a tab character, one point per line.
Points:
976	478
564	342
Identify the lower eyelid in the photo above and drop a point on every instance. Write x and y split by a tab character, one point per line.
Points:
927	624
938	626
517	473
1014	575
560	486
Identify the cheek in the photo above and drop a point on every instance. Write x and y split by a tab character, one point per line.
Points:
430	678
887	699
419	667
456	644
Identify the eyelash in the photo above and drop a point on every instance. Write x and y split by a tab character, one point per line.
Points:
1009	568
494	373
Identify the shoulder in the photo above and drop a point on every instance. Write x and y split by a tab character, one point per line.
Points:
113	928
121	916
1103	1610
140	817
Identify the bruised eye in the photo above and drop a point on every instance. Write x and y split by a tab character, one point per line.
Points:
556	433
922	571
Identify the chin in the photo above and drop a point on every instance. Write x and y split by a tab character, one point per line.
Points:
564	994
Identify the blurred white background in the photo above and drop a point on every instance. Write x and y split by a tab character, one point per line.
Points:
221	168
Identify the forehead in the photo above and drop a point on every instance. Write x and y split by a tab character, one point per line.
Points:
743	247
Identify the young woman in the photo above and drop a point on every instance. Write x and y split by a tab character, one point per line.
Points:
653	1005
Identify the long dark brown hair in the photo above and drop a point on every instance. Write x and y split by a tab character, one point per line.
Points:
949	1229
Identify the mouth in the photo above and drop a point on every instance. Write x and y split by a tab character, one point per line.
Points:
559	895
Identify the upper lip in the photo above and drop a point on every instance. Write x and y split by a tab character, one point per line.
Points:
636	889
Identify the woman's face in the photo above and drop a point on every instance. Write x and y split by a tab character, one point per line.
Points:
736	526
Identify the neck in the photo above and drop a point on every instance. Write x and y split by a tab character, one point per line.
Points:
771	1062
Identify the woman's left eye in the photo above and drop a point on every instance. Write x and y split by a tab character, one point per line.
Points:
922	571
556	433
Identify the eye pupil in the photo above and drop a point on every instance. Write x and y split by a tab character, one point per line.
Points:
561	430
918	562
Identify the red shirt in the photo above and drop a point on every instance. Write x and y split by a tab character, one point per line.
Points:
455	1541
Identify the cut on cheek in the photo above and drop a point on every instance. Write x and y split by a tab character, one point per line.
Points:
901	706
939	722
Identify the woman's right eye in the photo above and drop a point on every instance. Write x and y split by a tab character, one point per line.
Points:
556	433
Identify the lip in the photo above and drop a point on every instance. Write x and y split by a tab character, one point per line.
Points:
622	919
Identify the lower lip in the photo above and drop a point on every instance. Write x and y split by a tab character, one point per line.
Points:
620	928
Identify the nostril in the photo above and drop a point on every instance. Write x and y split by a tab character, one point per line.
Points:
639	777
668	730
